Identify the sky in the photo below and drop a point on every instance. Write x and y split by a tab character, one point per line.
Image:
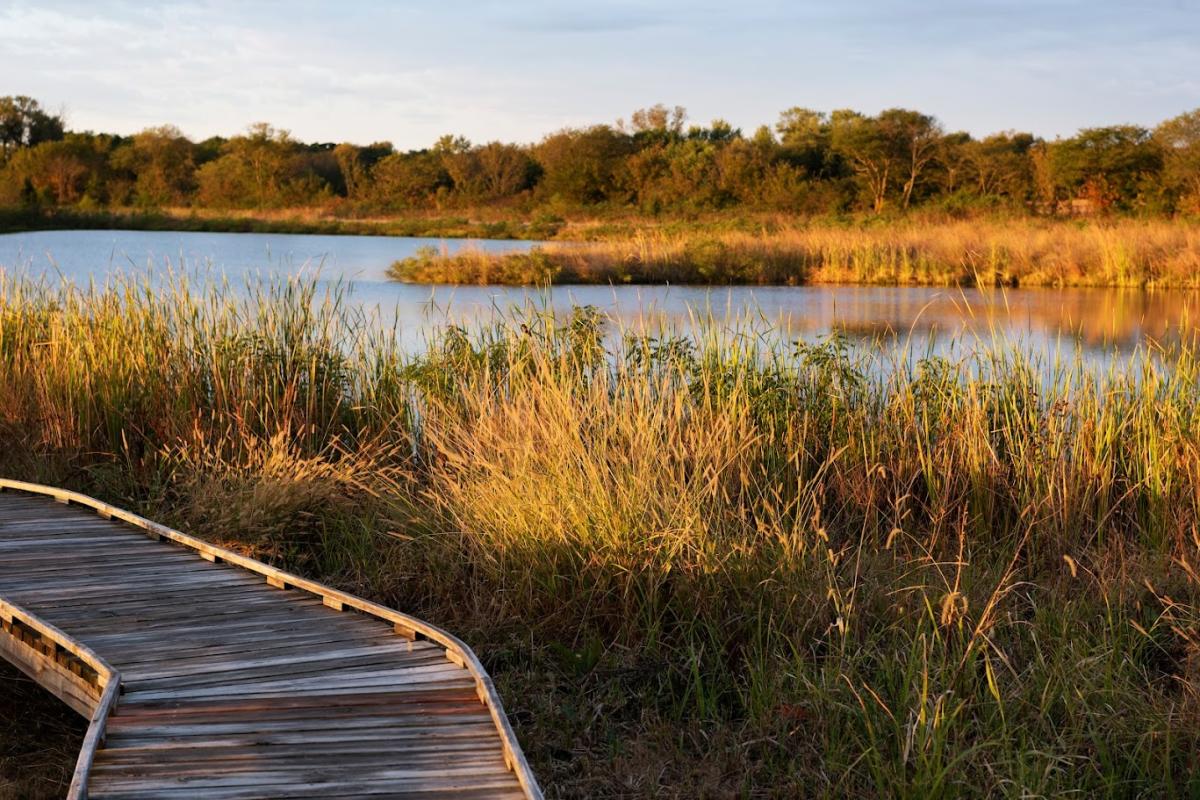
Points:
515	70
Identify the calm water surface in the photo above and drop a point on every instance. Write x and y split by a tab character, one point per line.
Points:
1099	321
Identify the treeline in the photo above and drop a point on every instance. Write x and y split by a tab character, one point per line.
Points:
809	162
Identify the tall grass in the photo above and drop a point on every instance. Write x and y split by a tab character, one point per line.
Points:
697	566
1007	253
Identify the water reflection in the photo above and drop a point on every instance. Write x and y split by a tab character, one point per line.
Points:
1096	320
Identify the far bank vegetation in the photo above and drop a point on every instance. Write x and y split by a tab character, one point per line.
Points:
656	164
1125	253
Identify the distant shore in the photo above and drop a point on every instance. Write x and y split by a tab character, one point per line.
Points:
299	221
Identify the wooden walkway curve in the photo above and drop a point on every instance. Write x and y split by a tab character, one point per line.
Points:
202	679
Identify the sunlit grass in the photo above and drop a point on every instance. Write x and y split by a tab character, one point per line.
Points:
702	563
1125	253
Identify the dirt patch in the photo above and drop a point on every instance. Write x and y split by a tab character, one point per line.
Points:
39	739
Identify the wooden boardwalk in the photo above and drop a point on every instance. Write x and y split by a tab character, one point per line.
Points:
206	674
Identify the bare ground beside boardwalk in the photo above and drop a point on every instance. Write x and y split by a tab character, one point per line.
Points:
39	739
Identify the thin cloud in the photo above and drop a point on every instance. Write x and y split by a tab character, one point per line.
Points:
591	21
409	71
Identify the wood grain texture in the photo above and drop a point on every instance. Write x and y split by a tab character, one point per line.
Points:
208	674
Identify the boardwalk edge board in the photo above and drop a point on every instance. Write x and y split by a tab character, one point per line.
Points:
83	680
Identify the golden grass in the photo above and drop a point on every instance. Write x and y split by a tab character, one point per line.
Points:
695	567
1123	253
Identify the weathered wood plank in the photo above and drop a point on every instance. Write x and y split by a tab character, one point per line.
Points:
309	730
233	688
229	668
500	789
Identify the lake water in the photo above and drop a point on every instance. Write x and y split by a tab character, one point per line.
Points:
1099	321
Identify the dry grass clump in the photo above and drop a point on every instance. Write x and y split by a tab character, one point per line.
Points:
474	266
274	497
725	567
1125	253
895	578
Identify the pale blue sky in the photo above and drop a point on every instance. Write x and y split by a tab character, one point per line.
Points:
517	69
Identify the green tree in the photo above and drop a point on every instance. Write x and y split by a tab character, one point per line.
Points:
355	164
1046	190
582	166
803	127
744	170
493	171
409	180
866	146
915	138
62	172
262	169
693	179
1179	141
644	177
504	170
1000	165
718	131
23	123
805	138
954	160
657	121
896	147
1108	166
162	161
461	164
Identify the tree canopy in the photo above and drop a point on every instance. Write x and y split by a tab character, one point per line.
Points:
23	123
810	161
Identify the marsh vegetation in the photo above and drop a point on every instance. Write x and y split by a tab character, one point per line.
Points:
696	566
1128	253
